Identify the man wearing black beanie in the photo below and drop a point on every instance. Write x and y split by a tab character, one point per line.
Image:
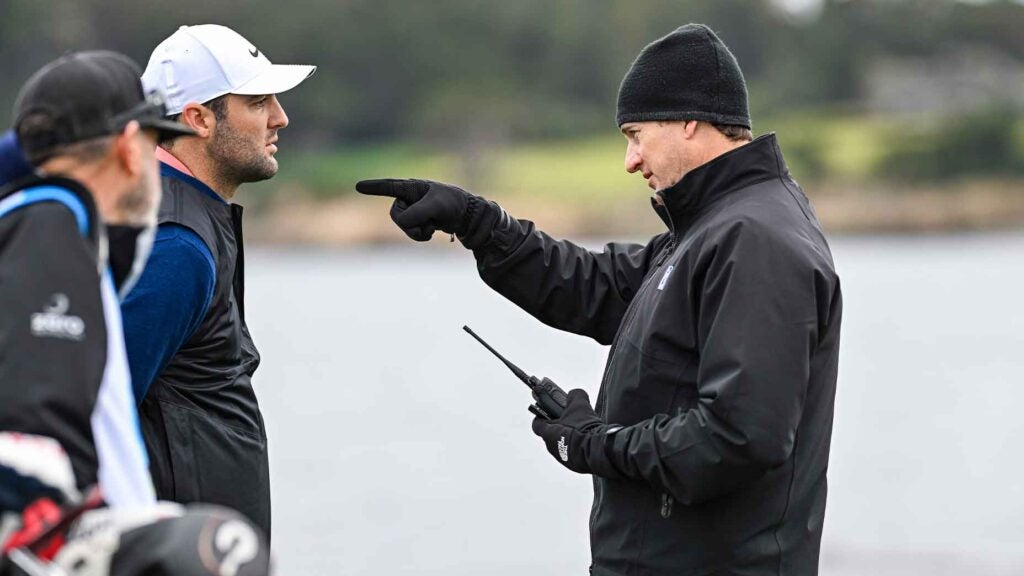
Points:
710	440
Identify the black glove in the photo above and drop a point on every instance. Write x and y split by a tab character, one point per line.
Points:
579	433
422	207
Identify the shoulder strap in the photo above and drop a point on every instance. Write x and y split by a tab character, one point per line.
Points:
47	193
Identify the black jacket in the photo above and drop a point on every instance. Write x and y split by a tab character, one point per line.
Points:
53	334
200	418
724	336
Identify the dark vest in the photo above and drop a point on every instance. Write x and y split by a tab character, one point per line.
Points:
200	418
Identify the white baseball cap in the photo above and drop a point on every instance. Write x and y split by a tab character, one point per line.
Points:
200	63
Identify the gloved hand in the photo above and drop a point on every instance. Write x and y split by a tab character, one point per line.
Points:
33	467
35	480
421	207
578	433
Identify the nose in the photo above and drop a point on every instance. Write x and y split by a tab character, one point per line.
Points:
278	119
633	159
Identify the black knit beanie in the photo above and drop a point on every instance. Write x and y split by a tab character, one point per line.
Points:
687	75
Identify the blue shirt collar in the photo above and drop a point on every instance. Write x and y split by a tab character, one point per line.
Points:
170	172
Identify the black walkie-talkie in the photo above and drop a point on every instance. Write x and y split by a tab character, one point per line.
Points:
551	400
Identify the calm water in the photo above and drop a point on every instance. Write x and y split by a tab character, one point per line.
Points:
399	446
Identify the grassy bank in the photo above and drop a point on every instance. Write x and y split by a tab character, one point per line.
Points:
862	173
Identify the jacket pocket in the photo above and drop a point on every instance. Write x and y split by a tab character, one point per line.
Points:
180	481
217	464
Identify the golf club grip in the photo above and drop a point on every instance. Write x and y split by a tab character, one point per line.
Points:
550	397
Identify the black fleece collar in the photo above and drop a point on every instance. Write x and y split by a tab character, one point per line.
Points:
745	166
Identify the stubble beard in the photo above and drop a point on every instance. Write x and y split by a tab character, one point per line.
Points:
139	206
238	160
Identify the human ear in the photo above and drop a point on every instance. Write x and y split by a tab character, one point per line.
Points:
199	118
128	147
690	129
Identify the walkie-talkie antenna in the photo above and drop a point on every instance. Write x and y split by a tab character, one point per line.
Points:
551	400
515	369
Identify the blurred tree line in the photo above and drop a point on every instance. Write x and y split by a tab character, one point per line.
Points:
468	68
475	74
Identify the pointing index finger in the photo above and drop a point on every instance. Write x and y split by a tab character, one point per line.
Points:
408	190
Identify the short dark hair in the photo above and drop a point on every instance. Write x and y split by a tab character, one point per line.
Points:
219	105
735	133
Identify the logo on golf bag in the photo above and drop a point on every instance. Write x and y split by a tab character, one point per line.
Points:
239	544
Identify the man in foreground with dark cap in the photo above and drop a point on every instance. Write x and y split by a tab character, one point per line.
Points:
710	440
73	236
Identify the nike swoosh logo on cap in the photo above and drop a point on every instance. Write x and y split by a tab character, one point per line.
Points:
255	52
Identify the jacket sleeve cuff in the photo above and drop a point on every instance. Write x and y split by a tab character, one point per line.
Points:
488	226
598	453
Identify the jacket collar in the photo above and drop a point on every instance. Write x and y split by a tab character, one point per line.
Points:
745	166
165	157
168	171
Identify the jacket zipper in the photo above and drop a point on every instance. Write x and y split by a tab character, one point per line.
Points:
666	252
627	319
631	311
670	248
666	505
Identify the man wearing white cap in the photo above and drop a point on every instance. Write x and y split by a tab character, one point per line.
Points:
191	355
